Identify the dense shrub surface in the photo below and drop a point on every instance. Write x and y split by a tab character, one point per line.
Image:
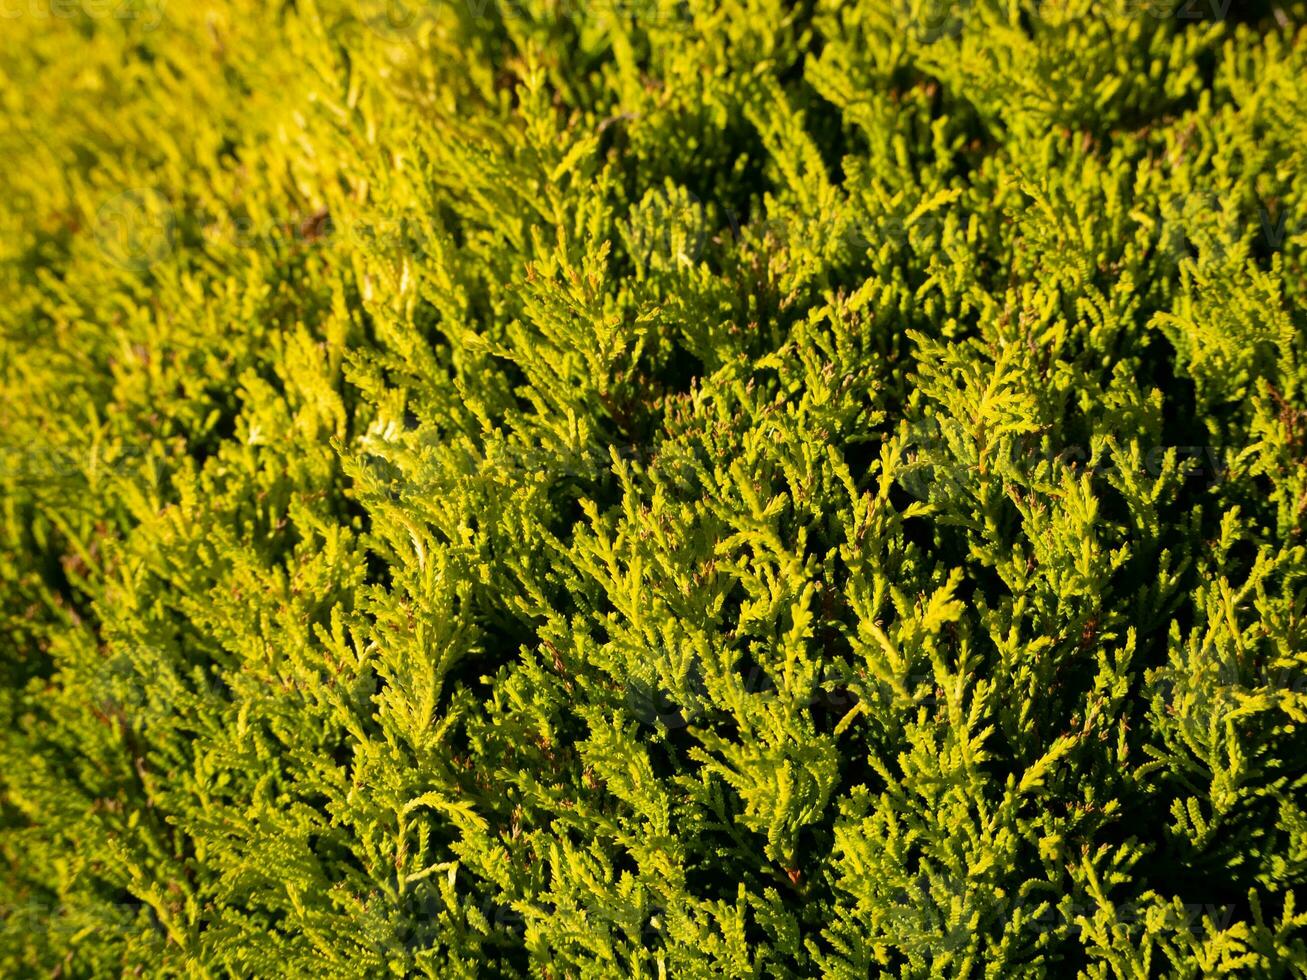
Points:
660	489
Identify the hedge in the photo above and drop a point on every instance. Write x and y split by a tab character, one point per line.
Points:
653	488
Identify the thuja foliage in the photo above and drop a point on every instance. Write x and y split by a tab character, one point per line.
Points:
671	489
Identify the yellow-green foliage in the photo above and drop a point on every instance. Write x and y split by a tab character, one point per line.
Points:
653	488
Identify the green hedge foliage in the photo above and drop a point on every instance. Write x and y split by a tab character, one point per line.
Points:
653	488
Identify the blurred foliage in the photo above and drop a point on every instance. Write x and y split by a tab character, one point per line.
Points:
654	489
